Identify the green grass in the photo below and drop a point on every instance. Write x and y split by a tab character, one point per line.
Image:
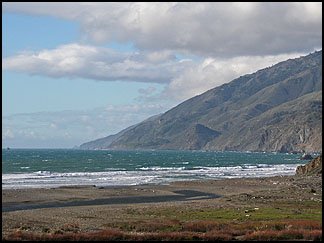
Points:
286	220
193	230
298	210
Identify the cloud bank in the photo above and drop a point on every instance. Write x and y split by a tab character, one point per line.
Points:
226	40
207	29
183	78
97	63
213	72
70	128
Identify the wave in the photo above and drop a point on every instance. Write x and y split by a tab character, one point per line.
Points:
154	168
143	175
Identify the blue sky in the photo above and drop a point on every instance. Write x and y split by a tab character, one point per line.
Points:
21	32
23	93
73	72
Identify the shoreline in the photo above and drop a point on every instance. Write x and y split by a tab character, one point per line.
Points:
212	188
290	170
94	208
182	195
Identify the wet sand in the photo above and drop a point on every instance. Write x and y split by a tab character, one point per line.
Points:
181	195
92	208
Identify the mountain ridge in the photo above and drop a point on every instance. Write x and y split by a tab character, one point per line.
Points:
233	111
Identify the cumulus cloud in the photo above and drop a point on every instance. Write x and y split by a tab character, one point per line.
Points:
228	39
98	63
209	29
212	72
183	78
69	128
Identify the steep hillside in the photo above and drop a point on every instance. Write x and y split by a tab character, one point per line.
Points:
275	109
313	167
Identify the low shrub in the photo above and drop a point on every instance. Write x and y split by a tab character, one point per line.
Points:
284	235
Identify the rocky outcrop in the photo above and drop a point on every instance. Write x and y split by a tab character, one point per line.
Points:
195	137
314	167
306	156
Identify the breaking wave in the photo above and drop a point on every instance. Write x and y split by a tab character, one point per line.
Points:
142	175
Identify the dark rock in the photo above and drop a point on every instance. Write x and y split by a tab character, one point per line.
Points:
314	167
306	157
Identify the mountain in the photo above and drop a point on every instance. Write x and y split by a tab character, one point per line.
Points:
104	143
278	108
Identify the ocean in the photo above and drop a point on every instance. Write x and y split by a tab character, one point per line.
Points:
48	168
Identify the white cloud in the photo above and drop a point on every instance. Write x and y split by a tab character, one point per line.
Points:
84	61
213	72
231	39
53	126
209	29
69	128
183	78
7	133
148	91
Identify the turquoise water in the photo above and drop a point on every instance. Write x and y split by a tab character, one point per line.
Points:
56	167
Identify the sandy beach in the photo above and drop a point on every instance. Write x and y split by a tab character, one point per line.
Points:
90	208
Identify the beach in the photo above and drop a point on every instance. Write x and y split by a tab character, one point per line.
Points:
82	209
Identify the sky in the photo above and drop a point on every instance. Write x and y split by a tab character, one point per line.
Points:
74	72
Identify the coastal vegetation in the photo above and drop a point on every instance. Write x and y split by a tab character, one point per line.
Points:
280	222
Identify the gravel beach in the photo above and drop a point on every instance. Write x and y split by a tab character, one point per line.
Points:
92	208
